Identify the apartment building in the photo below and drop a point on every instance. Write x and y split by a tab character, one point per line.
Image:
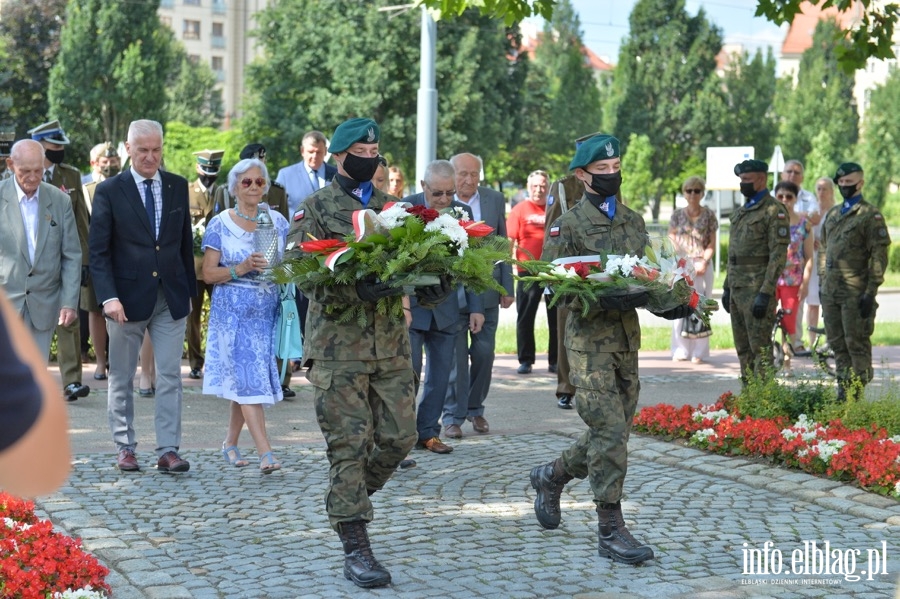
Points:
217	32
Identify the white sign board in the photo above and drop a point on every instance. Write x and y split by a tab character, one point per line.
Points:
776	164
720	166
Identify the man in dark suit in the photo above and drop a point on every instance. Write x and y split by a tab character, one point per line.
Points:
142	265
439	327
488	206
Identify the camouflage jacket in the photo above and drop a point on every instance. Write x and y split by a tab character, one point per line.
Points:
68	180
327	214
853	251
757	245
584	230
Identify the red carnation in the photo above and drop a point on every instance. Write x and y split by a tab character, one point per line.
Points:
426	214
642	273
581	269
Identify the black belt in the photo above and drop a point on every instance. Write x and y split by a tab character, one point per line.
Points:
748	260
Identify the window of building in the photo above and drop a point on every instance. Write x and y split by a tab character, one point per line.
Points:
218	29
218	67
192	2
191	30
194	58
167	21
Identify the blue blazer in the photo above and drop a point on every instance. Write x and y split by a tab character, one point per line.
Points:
297	183
127	262
446	314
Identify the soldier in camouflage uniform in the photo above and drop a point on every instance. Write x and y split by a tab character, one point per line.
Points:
68	180
853	255
757	252
602	348
6	140
362	375
201	203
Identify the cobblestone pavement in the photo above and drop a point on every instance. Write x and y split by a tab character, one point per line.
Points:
462	525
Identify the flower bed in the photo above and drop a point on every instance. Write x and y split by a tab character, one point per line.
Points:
38	563
866	456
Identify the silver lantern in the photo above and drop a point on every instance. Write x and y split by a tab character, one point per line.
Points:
265	242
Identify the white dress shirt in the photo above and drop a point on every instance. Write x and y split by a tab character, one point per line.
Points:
28	206
474	203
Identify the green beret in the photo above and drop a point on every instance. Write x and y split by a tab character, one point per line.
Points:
750	166
353	131
584	138
845	169
592	149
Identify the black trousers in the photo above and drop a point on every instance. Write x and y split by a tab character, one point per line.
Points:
527	301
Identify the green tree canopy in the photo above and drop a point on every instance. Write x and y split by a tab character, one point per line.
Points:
300	85
192	95
113	67
822	101
31	31
664	64
880	146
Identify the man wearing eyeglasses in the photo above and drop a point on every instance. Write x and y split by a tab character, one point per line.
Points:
525	227
488	206
442	329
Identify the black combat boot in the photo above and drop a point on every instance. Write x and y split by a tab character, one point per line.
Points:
548	480
616	542
360	565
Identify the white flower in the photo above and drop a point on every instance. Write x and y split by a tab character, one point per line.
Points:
394	216
448	226
85	593
198	229
716	416
789	434
828	448
897	489
702	436
561	271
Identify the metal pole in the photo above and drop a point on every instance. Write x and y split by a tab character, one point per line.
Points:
426	120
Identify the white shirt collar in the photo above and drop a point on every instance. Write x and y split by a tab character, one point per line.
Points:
20	194
139	178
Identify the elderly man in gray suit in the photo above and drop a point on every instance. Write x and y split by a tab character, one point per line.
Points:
443	327
40	268
488	206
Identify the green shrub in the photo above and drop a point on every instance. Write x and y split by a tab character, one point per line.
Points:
766	397
883	412
894	258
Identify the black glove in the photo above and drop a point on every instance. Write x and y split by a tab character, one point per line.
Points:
432	295
761	305
676	313
726	300
370	289
866	304
85	275
628	301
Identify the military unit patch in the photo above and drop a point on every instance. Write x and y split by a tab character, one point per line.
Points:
782	215
299	215
554	231
782	231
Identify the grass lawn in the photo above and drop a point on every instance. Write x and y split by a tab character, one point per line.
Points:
658	338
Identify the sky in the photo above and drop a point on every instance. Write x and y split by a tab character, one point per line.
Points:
605	23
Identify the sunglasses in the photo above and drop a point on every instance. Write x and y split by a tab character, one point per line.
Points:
785	196
437	194
794	172
260	182
693	191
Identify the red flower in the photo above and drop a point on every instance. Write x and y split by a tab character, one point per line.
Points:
642	273
425	214
476	229
322	246
581	269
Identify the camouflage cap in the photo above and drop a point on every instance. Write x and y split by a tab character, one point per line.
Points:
209	161
845	169
595	147
750	166
6	141
50	132
253	151
355	130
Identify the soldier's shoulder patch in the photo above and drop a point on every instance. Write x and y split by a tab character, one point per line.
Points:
276	185
782	231
554	231
877	216
882	232
781	214
299	215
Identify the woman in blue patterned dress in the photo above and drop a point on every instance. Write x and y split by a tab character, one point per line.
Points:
240	342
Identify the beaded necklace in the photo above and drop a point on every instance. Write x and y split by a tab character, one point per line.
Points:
252	219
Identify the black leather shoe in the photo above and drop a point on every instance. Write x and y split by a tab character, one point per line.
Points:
548	480
614	540
287	392
360	565
75	390
195	373
524	369
565	402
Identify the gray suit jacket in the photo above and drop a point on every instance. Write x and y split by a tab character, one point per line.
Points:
493	213
54	280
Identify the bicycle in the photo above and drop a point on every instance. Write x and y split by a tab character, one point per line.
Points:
782	351
781	348
821	353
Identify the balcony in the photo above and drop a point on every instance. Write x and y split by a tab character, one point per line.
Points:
220	75
167	4
218	7
218	41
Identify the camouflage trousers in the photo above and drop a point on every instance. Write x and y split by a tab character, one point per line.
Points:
850	336
752	336
606	396
366	411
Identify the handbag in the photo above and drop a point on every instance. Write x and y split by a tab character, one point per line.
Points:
693	327
288	339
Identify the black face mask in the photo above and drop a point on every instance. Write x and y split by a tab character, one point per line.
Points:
55	156
847	191
607	184
747	190
109	171
361	169
207	180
